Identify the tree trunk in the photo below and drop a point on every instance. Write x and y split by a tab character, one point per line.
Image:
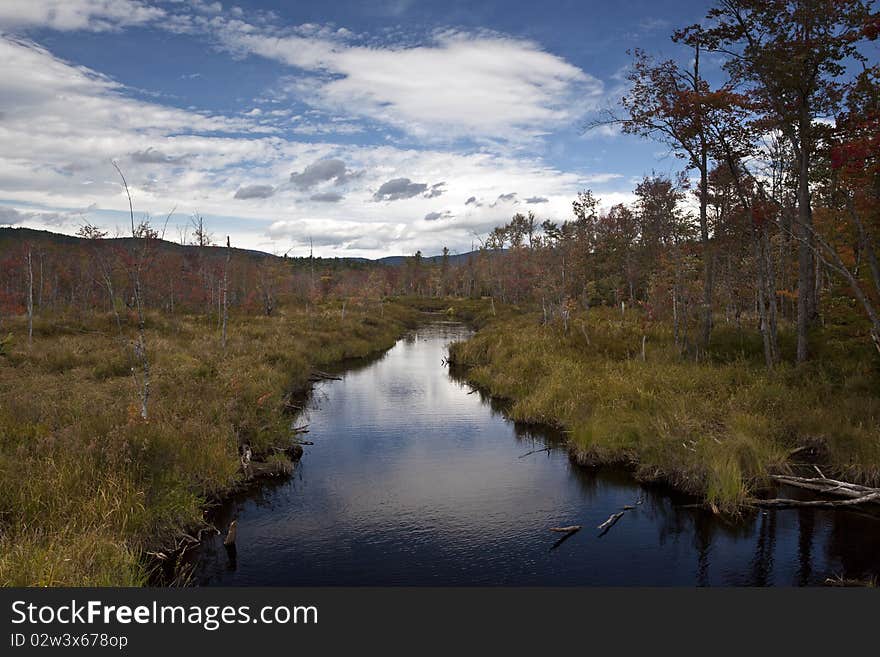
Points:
30	297
806	306
708	255
226	291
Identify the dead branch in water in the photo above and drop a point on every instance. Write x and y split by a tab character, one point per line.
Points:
567	533
856	494
825	485
841	581
230	535
318	375
608	524
782	503
535	451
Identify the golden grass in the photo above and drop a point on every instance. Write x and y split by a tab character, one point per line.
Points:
86	486
716	428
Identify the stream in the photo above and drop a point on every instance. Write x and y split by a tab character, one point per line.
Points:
416	479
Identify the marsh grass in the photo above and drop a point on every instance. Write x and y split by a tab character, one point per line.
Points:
715	427
86	486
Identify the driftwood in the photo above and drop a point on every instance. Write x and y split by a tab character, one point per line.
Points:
855	494
230	535
535	451
844	582
567	533
825	485
608	524
318	375
782	503
303	429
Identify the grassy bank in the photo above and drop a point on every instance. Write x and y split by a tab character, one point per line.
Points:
86	486
715	428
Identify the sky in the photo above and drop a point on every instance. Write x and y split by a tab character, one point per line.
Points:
365	129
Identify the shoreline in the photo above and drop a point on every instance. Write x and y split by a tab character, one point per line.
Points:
171	572
615	410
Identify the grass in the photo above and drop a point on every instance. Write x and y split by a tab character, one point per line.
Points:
86	486
715	428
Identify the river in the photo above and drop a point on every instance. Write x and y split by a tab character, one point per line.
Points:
415	479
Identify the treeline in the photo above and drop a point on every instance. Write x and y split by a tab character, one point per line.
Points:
779	204
93	273
784	205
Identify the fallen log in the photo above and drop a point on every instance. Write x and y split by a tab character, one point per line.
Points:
823	481
318	375
566	530
535	451
230	535
613	518
782	503
849	583
825	485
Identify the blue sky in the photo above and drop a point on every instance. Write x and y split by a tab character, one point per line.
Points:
369	128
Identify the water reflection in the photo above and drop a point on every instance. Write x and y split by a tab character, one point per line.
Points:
415	478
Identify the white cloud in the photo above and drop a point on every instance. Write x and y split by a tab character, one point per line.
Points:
62	124
91	15
458	85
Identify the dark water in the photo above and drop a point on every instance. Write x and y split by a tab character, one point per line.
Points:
412	480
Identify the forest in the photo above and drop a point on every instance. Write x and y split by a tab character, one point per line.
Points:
719	332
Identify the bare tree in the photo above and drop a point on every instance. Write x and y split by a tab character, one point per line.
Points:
226	290
30	296
90	232
145	235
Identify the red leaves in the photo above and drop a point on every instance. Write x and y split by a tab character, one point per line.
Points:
762	212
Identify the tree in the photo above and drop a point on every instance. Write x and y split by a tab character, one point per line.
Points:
791	55
138	262
226	291
852	196
30	295
93	234
667	102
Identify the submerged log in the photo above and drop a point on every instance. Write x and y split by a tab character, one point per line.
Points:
844	582
566	530
318	375
535	451
230	535
613	518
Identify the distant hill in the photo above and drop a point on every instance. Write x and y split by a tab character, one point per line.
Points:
454	259
15	235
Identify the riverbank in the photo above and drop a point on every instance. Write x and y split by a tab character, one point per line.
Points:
717	428
87	487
